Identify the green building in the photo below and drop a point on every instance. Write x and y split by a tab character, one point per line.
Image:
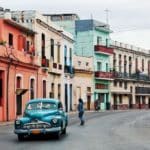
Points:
91	40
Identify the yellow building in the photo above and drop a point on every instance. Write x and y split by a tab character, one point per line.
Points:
83	81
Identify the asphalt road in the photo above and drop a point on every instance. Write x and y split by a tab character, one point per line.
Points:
128	130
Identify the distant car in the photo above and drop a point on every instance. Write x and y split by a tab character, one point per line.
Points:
42	116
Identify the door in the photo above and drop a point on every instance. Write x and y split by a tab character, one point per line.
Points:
115	102
19	105
130	102
88	102
66	97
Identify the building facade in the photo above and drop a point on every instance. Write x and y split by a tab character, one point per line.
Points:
55	48
91	40
20	71
83	81
131	72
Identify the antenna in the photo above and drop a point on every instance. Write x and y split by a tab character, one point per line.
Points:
107	15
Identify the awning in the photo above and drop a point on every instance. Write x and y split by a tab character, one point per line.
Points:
21	91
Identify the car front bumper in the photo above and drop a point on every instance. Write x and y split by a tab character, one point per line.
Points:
37	131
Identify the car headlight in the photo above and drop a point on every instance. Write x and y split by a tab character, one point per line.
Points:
17	122
54	120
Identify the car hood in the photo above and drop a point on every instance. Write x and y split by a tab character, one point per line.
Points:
40	114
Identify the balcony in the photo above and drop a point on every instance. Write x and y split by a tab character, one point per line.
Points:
45	62
103	49
134	76
55	68
103	75
68	69
142	90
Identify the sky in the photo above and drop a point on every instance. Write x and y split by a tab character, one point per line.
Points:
129	19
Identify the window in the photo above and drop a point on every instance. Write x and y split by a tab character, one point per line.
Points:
99	40
120	83
142	64
136	64
44	88
58	52
59	91
43	45
125	85
115	83
79	63
32	88
131	89
107	67
52	91
149	67
88	89
70	57
52	48
65	55
18	82
10	39
87	64
99	66
120	99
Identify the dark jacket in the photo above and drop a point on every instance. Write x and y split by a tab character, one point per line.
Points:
80	107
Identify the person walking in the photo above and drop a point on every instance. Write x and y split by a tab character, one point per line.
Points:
81	111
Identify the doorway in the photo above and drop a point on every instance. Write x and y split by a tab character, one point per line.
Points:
19	105
88	102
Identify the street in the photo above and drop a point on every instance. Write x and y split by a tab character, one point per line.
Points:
122	130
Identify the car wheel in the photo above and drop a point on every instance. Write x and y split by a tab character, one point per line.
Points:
20	137
57	135
64	131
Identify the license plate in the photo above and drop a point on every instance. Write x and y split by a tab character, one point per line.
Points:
36	132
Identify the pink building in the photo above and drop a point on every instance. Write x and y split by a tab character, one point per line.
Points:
21	76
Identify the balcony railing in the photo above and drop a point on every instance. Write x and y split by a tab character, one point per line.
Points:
103	49
68	69
142	90
134	76
100	74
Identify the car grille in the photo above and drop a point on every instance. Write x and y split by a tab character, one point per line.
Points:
36	125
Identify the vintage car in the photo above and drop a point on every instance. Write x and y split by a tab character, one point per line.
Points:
41	116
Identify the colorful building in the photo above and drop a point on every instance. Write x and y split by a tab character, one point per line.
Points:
83	83
91	40
21	78
55	48
131	72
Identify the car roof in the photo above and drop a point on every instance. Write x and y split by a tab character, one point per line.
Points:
43	100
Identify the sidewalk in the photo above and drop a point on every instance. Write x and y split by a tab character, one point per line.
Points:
7	123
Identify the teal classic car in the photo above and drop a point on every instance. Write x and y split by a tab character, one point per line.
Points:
42	116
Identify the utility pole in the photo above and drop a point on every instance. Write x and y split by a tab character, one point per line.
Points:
107	15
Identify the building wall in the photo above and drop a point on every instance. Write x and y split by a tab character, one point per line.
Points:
83	80
127	82
16	62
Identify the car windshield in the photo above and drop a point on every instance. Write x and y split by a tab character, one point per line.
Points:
41	105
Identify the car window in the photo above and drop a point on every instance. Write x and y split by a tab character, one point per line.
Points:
49	106
41	105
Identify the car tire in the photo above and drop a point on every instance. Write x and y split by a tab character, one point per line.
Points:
20	137
57	135
64	130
